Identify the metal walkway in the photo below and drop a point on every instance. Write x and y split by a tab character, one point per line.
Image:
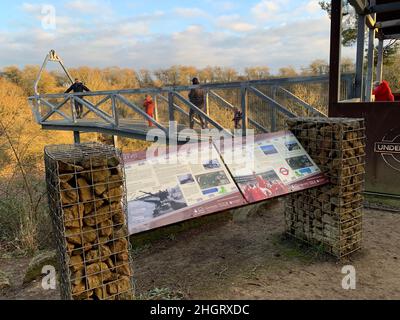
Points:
265	104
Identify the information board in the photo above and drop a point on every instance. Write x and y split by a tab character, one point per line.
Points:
185	184
276	164
200	179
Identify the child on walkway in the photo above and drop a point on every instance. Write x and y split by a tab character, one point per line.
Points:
149	107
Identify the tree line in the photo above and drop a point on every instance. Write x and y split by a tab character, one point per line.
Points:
125	78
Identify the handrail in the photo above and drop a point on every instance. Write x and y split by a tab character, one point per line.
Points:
140	111
273	102
55	109
110	119
206	86
178	108
303	103
202	113
231	106
96	111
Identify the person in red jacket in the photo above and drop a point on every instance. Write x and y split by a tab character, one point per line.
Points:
383	92
257	194
149	107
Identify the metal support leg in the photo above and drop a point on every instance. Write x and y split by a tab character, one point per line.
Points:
114	110
155	107
207	107
273	111
244	105
77	137
171	109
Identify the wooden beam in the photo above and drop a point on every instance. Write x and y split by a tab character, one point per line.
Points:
389	23
387	7
392	36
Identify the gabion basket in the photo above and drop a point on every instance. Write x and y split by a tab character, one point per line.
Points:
88	207
330	216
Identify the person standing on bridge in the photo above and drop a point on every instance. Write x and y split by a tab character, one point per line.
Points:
149	106
237	117
78	87
196	96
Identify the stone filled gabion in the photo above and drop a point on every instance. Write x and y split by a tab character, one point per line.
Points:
87	200
331	215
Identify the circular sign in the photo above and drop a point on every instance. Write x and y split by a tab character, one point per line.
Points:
392	159
284	171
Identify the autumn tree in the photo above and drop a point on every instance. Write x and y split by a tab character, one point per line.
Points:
287	72
47	83
257	73
13	74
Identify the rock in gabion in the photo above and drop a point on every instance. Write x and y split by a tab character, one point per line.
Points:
331	215
87	199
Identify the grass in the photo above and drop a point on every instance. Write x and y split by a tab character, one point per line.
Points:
162	294
290	249
171	232
22	233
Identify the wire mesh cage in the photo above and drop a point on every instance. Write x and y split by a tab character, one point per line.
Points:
330	216
87	200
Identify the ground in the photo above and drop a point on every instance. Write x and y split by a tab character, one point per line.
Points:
251	260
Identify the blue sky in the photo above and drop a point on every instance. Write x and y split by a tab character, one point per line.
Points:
155	33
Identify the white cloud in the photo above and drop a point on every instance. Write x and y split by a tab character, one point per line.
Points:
265	9
132	28
129	43
88	6
31	8
190	12
227	5
313	7
234	23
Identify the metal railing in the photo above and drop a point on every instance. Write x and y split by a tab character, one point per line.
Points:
265	104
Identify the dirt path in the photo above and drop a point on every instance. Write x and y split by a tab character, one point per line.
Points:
251	260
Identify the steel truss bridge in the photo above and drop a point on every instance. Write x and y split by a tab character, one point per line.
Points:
265	104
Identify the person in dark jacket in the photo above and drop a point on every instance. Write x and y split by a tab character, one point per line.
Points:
196	96
237	117
77	87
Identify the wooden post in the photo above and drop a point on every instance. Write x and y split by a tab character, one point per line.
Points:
370	69
379	67
335	52
360	58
